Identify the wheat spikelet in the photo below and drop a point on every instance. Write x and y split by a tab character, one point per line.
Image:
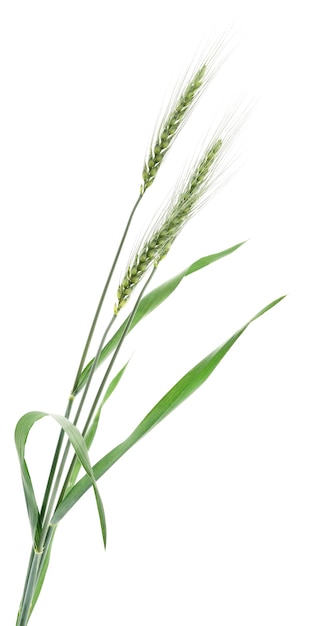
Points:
181	106
164	232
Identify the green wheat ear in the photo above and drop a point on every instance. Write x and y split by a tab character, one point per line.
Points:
165	231
181	106
170	128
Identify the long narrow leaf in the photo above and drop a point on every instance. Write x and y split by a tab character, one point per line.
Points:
80	448
22	429
151	302
94	425
21	433
180	392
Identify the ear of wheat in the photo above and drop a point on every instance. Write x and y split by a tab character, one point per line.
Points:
180	210
180	108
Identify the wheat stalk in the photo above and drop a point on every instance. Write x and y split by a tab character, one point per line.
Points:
190	194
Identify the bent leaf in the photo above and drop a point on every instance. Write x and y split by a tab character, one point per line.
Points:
94	425
149	303
21	433
88	441
80	448
22	429
177	394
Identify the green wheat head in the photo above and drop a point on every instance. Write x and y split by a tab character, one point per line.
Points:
170	128
182	104
184	205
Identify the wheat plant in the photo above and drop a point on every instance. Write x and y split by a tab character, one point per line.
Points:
193	189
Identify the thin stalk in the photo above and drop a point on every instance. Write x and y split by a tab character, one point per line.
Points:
54	462
44	555
98	310
30	565
93	368
113	359
82	361
30	586
58	478
104	380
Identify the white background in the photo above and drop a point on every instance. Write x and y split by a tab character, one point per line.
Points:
209	517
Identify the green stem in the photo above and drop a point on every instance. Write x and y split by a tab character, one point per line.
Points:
113	359
30	562
42	564
98	310
58	478
93	368
30	586
82	361
104	380
54	463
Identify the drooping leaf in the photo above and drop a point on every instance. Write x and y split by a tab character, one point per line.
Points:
177	394
89	437
80	448
150	302
22	429
21	433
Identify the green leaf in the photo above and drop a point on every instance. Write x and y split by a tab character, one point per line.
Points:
180	392
94	425
151	302
21	433
80	448
113	384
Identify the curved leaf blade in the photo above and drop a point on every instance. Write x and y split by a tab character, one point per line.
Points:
150	302
21	433
89	437
80	448
22	429
171	400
